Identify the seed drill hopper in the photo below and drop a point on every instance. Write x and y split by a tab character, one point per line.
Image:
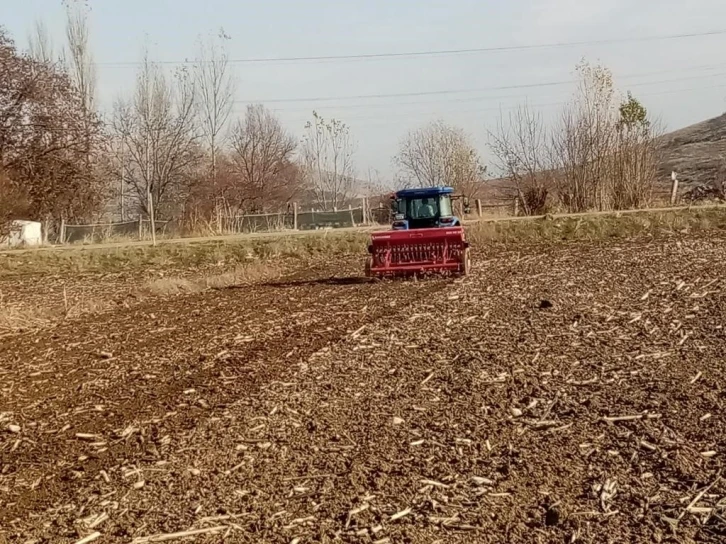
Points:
425	236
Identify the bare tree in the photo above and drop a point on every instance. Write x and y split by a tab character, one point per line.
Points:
216	87
263	155
521	147
375	185
46	133
206	203
40	44
604	149
159	129
327	152
584	141
635	160
438	154
82	69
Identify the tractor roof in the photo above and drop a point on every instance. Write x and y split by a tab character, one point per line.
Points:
424	192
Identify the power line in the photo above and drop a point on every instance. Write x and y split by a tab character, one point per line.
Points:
508	96
447	92
399	95
441	52
398	115
457	91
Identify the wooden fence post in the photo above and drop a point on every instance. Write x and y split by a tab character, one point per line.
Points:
294	216
674	189
516	206
478	207
352	217
141	227
63	231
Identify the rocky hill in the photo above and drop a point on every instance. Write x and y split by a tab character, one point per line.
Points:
696	152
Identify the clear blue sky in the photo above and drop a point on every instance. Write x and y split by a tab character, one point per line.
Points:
682	81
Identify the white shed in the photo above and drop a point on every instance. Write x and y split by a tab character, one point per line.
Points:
24	233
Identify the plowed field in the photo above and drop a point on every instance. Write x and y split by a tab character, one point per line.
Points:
571	393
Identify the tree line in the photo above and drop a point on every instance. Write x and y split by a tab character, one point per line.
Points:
171	149
600	154
174	149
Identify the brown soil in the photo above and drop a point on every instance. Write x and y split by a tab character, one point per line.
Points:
557	394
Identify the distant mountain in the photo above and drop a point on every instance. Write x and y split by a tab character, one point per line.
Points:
696	152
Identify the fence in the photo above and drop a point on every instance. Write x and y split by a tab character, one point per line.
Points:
263	222
294	220
238	224
313	220
139	228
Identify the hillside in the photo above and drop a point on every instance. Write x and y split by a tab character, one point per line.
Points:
696	152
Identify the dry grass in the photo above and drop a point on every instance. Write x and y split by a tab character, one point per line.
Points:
179	255
14	319
598	227
245	274
21	317
170	286
245	252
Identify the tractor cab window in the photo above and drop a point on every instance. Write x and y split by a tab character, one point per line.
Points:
445	206
425	207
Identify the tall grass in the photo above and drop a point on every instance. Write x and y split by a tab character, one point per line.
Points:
599	227
180	255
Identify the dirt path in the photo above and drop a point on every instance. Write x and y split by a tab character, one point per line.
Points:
571	394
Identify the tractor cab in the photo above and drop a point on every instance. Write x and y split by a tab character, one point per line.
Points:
423	208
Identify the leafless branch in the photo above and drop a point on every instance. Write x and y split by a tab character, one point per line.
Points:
216	88
263	157
159	128
521	147
327	152
439	154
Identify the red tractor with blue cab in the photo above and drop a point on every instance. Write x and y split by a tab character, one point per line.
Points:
425	236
